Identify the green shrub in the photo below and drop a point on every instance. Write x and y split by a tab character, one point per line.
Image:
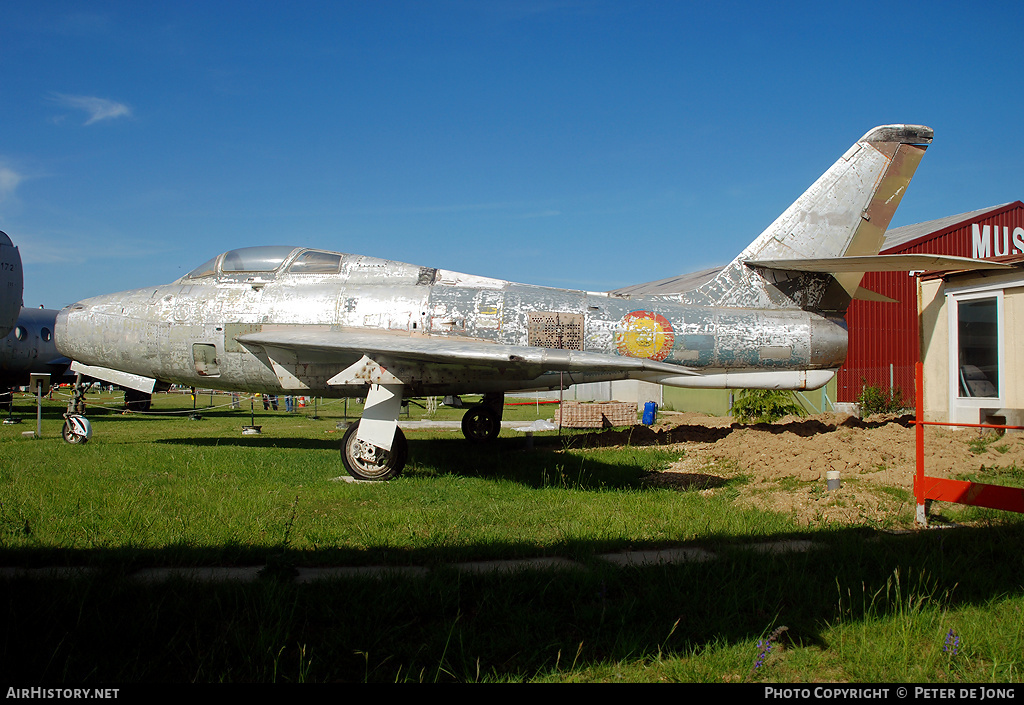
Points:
873	400
765	405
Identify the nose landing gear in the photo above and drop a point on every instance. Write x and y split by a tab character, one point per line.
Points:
77	429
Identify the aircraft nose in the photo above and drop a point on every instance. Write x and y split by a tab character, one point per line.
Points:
76	328
68	328
100	330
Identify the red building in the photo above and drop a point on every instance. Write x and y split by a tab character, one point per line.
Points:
884	337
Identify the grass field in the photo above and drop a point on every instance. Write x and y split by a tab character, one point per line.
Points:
162	490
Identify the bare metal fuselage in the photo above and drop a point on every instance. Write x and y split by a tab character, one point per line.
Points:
302	321
205	331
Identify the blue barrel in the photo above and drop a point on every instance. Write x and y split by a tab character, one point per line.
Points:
650	411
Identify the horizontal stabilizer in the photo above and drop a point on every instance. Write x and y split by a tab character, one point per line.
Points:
876	263
868	295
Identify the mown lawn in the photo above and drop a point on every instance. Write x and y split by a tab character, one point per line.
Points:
161	490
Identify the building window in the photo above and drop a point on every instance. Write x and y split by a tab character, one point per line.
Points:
978	347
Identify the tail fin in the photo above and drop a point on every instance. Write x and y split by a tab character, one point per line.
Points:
11	284
843	214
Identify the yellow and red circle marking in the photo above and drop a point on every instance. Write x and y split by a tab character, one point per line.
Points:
645	334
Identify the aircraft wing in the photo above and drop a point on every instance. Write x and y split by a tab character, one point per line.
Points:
122	379
397	349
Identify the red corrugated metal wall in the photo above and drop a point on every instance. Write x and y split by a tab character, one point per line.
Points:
884	337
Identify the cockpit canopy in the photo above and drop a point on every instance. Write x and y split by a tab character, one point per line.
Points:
269	258
255	259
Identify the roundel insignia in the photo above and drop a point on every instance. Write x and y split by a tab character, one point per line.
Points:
645	334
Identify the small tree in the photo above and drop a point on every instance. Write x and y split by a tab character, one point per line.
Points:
765	405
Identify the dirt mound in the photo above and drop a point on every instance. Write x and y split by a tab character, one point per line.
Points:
710	429
653	436
785	463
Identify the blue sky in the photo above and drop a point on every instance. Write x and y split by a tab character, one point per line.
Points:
559	142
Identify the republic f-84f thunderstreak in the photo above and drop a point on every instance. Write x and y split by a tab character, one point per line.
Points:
294	320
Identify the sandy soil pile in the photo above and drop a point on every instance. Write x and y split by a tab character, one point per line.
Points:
786	462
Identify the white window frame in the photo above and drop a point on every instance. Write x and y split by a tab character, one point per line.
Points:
967	409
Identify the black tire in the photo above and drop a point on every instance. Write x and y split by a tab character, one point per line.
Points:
71	437
135	400
481	424
6	399
385	465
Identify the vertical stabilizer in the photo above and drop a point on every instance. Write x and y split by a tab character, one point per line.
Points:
844	213
11	284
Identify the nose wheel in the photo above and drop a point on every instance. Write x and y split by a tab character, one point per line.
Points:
365	461
76	430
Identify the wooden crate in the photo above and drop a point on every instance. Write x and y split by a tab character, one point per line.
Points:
597	414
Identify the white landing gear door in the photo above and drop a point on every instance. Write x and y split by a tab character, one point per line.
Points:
380	416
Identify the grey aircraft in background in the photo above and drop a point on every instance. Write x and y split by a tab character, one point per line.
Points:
30	348
11	284
301	321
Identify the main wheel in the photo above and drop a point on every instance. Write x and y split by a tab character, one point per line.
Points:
73	435
137	401
365	461
481	424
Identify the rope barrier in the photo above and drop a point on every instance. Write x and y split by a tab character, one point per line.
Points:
112	404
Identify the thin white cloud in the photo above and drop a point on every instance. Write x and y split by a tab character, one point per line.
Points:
548	213
9	180
97	108
36	251
60	247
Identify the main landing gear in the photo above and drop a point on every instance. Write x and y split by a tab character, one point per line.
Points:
137	401
365	453
365	461
482	422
